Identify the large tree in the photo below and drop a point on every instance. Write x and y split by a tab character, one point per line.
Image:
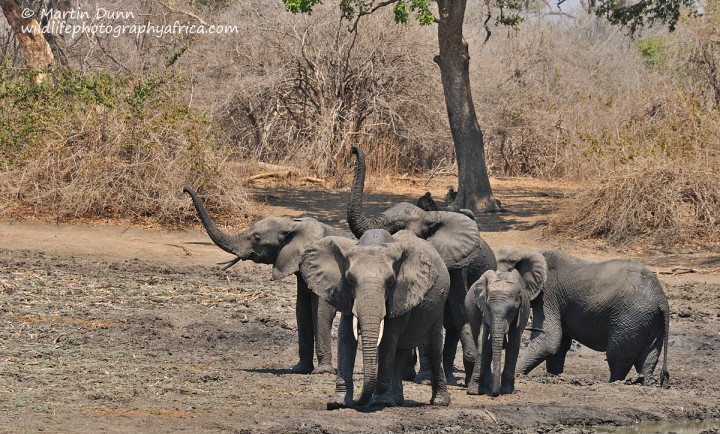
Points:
474	191
35	47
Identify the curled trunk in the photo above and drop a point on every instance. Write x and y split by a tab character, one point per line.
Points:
220	238
358	222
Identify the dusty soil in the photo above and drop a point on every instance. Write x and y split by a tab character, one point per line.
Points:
115	329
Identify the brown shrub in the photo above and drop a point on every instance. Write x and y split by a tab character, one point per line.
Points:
674	204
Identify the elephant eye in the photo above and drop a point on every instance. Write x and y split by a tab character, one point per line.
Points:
256	238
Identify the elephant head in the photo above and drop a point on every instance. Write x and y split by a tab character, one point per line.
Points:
455	236
502	300
273	240
378	277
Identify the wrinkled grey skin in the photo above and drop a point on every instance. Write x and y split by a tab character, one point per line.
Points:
455	237
396	280
616	306
498	306
280	241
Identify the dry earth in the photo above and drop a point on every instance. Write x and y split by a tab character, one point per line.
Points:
116	329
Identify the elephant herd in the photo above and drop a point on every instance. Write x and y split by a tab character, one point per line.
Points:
402	276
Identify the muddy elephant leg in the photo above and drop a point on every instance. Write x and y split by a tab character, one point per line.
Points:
624	347
479	379
456	298
555	363
304	318
449	350
386	351
323	316
424	375
401	360
647	360
544	340
347	350
440	394
408	362
512	350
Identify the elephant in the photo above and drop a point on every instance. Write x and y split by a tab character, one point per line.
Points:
616	306
498	306
280	241
391	291
456	238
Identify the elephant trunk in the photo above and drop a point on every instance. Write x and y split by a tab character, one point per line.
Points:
497	337
370	330
358	222
220	238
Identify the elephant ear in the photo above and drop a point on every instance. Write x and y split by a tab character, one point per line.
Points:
529	263
323	265
296	237
455	238
416	272
480	288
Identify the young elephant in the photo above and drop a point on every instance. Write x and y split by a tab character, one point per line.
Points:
498	305
280	241
391	291
615	306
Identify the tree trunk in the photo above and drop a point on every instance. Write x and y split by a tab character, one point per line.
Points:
474	192
35	47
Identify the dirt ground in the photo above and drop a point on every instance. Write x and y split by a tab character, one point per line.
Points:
124	329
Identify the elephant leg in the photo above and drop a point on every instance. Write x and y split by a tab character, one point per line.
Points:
401	360
647	361
512	350
387	350
440	393
479	370
543	343
456	298
452	337
323	316
347	350
555	363
624	347
304	318
424	375
408	362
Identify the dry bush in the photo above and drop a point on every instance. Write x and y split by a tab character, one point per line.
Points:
83	146
675	204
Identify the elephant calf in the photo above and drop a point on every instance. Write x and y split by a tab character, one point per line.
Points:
616	306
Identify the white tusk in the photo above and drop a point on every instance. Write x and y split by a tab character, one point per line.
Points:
382	328
355	327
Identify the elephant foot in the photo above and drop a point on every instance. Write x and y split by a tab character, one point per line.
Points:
441	399
324	369
385	400
423	377
339	401
506	389
302	368
469	365
473	388
450	378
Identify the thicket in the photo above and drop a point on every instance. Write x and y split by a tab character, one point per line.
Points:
80	146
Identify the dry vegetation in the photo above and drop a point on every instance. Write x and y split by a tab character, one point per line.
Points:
560	99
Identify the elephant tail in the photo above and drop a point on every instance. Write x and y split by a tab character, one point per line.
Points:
664	374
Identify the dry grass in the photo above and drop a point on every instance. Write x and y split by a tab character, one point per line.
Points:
662	205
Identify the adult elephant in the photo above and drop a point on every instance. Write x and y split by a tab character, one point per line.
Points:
280	241
456	238
391	290
498	306
616	306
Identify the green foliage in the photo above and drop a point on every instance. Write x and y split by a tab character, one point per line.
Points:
651	48
303	6
509	13
643	13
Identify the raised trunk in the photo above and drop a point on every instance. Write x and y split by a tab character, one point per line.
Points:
370	330
474	191
220	238
497	337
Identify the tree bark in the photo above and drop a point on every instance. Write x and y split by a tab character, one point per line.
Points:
35	47
474	191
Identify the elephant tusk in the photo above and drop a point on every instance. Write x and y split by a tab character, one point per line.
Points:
355	327
380	335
